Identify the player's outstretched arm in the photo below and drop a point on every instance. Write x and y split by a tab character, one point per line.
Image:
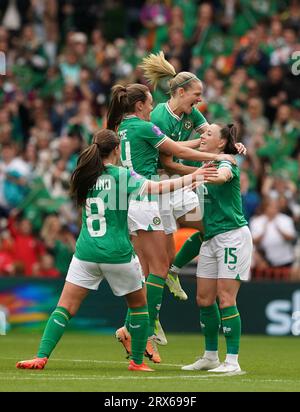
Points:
172	167
200	176
182	152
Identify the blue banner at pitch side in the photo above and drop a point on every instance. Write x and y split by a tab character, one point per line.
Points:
271	308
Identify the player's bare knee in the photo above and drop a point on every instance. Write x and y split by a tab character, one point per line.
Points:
203	300
160	267
226	299
71	307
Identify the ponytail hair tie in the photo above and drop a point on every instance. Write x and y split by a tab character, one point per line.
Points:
232	130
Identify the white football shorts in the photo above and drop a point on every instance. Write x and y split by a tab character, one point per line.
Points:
174	205
144	215
226	256
123	278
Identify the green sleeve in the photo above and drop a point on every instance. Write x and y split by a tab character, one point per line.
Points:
153	135
233	169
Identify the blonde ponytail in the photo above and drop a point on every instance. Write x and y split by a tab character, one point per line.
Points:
156	67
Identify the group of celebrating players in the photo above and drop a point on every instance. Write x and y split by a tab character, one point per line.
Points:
151	143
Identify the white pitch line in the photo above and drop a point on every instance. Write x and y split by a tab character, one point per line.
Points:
76	377
92	377
39	375
98	361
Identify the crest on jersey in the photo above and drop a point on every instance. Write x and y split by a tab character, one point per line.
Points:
156	221
188	124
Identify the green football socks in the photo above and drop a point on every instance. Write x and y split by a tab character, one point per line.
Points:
188	252
138	328
231	323
127	319
155	289
54	330
210	323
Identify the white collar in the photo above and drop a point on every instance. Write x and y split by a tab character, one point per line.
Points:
172	113
129	116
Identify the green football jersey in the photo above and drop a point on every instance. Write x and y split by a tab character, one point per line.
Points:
223	205
175	127
104	236
139	145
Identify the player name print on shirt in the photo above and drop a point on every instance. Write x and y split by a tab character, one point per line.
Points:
102	184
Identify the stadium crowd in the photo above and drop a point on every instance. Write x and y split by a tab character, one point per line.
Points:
62	59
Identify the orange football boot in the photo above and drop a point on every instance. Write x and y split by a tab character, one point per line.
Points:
35	363
151	351
124	337
142	368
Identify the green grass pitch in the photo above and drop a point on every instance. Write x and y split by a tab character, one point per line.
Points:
96	363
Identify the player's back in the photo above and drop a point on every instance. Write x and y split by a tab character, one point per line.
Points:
139	145
104	233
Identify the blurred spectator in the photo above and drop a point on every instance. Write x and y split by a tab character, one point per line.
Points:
59	241
253	57
27	248
14	13
204	26
57	179
235	89
275	36
96	51
254	118
64	249
154	13
64	110
273	233
281	55
70	68
102	84
284	126
45	267
250	198
14	178
274	91
178	48
281	188
50	230
7	263
291	15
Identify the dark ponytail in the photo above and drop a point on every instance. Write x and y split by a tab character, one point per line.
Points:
122	102
229	133
117	106
90	164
